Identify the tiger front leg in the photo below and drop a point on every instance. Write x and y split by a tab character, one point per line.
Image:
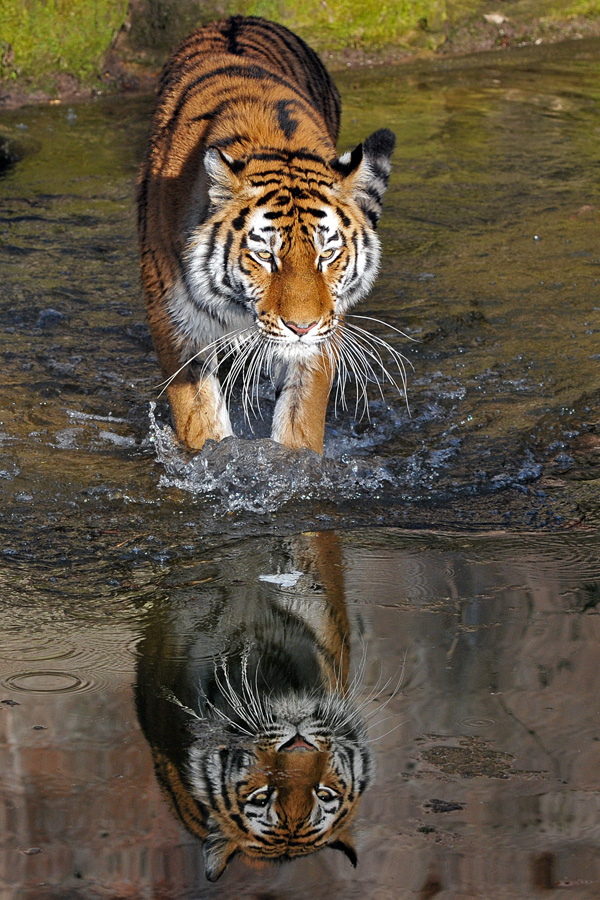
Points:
199	411
299	417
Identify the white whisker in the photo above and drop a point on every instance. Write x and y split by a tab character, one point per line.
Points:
385	324
374	342
364	358
212	349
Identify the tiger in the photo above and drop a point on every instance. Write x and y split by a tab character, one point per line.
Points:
244	696
255	238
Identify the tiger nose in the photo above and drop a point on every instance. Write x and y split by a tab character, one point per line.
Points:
299	327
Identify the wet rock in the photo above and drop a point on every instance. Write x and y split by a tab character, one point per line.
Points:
11	152
48	318
442	806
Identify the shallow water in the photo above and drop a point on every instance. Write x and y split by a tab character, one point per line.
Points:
467	524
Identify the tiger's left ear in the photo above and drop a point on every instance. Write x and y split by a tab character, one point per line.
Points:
367	171
222	170
345	843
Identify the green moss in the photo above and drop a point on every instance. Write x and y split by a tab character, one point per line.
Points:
584	8
39	37
342	23
158	25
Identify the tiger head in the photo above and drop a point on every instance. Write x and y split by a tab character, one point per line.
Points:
288	240
291	792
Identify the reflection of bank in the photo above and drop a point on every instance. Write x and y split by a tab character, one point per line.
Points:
244	696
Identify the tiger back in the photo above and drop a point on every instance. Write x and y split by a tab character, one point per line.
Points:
245	699
255	238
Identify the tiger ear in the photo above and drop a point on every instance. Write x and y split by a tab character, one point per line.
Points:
217	850
366	171
345	843
222	170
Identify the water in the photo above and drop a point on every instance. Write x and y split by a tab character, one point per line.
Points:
455	541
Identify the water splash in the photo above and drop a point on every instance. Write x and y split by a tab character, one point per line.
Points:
260	475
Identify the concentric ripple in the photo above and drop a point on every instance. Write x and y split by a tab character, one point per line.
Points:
48	682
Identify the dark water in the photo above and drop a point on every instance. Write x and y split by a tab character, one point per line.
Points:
457	541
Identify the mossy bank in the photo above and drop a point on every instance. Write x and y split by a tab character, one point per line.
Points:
59	48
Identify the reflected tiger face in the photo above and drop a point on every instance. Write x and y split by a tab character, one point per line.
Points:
291	792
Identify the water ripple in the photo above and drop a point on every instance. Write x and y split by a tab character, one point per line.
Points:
49	682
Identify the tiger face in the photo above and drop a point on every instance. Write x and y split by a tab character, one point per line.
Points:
290	242
291	792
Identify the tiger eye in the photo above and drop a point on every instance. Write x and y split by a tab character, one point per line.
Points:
259	798
326	795
327	254
264	254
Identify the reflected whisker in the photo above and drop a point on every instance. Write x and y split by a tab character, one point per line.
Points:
382	736
169	695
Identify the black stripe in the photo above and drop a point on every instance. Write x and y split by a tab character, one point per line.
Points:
343	217
266	197
240	219
196	824
275	214
286	121
298	193
226	249
355	268
224	143
213	113
213	238
251	73
240	822
231	33
257	182
313	194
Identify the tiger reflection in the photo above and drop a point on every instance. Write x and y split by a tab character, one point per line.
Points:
246	702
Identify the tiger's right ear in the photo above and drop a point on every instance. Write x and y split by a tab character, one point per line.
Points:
217	850
222	170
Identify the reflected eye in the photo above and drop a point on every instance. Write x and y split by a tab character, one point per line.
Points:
259	797
264	254
325	794
327	254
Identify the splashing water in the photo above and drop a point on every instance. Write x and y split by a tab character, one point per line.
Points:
260	475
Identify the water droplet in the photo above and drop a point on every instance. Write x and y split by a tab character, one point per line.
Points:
476	722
